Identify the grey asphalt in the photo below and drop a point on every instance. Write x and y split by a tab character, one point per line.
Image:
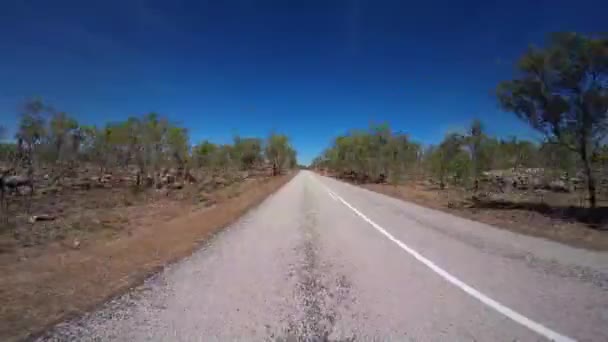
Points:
304	266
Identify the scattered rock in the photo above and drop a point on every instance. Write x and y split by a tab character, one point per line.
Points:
576	181
81	184
479	197
24	190
16	181
541	193
148	181
167	179
50	190
206	198
180	196
100	185
43	217
537	184
244	174
188	177
531	178
163	191
559	186
219	181
176	186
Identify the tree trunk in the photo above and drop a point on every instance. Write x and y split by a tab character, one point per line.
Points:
274	169
590	181
30	176
3	212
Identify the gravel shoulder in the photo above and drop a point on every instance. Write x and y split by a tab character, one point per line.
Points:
553	216
38	291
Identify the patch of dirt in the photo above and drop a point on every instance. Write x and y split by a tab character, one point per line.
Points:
51	282
104	207
554	216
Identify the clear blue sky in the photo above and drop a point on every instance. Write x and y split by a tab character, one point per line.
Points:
311	69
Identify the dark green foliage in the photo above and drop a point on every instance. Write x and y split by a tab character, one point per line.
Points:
8	151
448	160
247	152
374	155
279	153
562	91
204	154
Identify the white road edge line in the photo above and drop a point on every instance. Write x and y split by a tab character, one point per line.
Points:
512	314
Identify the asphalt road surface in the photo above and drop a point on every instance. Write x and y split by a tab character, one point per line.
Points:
323	260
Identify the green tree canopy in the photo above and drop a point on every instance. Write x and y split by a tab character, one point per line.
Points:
370	155
278	151
562	91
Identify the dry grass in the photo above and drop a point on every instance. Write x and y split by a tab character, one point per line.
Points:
59	282
552	217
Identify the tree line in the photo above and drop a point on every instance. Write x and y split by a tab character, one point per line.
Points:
372	155
560	90
47	137
378	154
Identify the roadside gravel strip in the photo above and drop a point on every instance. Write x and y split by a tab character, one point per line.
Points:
306	266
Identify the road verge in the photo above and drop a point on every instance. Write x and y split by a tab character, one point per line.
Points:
39	292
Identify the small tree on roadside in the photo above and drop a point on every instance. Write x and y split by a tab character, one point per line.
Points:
443	156
247	151
514	153
94	147
30	135
32	129
178	146
152	132
60	132
205	154
562	91
474	143
278	152
7	150
61	143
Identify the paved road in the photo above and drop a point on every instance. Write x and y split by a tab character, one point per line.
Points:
323	260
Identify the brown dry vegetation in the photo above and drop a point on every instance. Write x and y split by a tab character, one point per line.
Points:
46	283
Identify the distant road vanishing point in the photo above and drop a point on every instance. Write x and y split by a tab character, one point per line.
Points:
323	260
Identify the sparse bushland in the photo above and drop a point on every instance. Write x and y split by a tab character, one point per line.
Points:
561	91
468	160
56	171
535	188
89	211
